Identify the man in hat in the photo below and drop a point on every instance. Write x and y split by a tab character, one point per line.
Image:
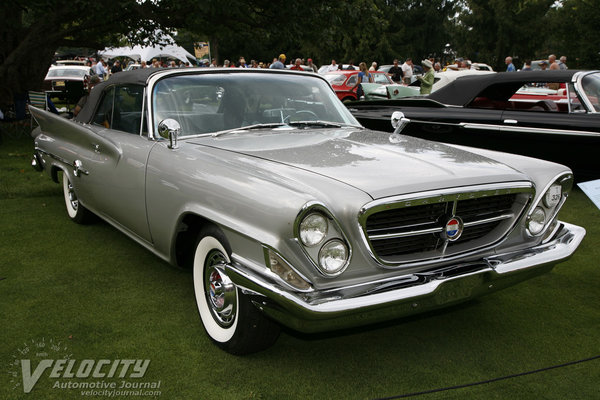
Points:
280	63
311	65
427	79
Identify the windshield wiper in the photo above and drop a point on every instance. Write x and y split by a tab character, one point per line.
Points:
325	124
249	127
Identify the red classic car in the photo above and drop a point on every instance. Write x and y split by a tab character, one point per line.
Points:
343	82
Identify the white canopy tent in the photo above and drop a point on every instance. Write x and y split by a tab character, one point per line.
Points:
147	53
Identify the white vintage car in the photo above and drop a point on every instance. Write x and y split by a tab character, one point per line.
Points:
397	91
287	211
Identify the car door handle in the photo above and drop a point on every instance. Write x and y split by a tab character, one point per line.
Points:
78	168
511	121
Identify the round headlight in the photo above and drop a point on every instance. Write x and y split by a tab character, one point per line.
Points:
313	229
552	196
333	256
537	220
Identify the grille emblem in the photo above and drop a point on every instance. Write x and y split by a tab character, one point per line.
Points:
453	229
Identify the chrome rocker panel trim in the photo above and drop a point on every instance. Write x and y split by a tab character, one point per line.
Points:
405	295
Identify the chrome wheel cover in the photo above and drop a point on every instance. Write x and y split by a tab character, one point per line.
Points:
72	197
220	291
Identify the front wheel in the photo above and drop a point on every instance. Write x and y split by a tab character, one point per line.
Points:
75	210
231	320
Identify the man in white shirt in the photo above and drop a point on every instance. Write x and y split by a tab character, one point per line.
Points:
332	67
407	70
101	70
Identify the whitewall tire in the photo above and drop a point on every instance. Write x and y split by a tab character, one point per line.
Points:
75	210
230	319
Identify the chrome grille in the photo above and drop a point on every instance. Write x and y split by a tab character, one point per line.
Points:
413	228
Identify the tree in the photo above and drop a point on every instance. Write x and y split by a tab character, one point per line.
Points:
490	30
419	29
263	29
33	30
576	24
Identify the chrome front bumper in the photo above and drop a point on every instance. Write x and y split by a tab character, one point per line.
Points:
405	295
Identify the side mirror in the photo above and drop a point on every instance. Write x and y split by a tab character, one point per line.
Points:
399	121
169	129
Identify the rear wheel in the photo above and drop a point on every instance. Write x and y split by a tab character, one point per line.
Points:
231	320
75	210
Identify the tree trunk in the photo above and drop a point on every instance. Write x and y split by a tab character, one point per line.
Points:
24	63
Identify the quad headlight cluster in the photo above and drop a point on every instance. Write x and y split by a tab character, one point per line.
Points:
543	215
323	241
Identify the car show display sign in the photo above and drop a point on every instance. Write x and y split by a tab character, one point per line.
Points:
592	190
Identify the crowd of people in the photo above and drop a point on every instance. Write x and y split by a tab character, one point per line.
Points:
551	64
398	72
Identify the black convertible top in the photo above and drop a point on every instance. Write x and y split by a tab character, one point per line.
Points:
135	77
500	86
141	76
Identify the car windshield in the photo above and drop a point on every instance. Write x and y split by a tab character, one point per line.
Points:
215	102
64	72
335	79
591	88
381	78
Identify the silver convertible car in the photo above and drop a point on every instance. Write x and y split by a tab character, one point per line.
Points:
288	211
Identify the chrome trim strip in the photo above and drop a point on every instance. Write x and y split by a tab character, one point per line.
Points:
404	234
414	227
57	158
568	100
445	196
566	181
141	133
488	220
526	129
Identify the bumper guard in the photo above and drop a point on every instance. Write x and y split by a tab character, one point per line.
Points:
405	295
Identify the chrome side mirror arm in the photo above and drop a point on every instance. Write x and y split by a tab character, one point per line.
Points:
399	121
169	129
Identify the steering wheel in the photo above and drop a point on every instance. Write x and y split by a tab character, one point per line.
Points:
304	115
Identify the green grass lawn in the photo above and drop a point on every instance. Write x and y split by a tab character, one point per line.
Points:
104	297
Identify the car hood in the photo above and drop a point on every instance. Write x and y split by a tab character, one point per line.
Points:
378	163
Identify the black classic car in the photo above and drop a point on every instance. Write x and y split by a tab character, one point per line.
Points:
553	115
